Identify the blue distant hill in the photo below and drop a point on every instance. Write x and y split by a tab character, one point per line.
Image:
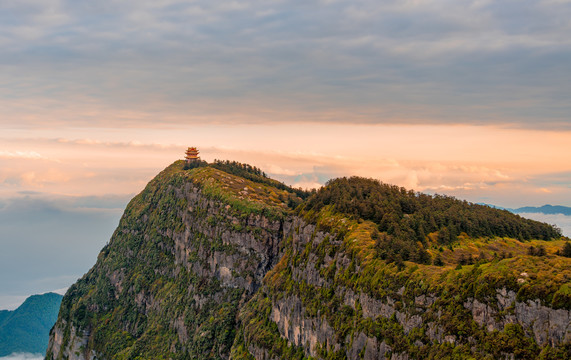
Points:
27	328
545	209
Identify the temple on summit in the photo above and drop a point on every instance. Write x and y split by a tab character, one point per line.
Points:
192	155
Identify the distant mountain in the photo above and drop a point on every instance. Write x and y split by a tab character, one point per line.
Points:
27	328
545	209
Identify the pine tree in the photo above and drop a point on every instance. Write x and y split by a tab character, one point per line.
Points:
566	249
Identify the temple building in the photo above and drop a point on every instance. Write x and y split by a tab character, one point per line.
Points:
192	155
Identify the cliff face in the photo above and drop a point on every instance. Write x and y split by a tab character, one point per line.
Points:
325	301
209	265
177	269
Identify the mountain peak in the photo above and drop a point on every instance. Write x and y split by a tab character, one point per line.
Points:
219	261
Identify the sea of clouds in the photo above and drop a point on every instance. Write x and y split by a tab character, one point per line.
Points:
23	356
48	242
561	221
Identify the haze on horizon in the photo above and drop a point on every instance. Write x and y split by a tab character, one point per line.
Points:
465	98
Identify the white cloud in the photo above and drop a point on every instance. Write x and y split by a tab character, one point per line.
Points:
277	170
11	302
174	62
63	243
20	155
560	220
61	291
23	356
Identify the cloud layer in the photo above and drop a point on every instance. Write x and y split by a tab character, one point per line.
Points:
560	220
50	241
154	63
506	167
23	356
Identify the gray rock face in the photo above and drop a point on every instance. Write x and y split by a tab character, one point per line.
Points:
245	255
215	242
547	325
309	332
75	343
260	354
364	347
288	314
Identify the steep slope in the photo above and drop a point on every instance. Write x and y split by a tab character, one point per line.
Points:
334	295
189	250
206	264
26	329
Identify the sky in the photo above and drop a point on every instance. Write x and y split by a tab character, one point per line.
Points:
465	98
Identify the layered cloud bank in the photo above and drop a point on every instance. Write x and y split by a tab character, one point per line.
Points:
49	241
23	356
559	220
344	61
506	167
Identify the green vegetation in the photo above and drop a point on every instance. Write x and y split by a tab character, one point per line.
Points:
566	250
143	300
255	174
379	252
405	218
409	215
26	329
547	278
182	275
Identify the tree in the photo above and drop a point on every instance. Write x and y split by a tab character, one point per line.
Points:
566	249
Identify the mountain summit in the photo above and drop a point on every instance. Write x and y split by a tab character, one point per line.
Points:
218	261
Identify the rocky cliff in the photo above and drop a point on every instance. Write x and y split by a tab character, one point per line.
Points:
206	264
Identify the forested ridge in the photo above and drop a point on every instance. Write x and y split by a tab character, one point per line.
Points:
407	214
405	218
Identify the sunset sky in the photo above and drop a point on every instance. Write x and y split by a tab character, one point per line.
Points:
465	98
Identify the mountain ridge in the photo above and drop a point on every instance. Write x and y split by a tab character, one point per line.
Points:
26	329
545	209
219	266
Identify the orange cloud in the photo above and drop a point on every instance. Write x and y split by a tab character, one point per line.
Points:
467	161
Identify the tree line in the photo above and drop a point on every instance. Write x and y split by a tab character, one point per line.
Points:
405	217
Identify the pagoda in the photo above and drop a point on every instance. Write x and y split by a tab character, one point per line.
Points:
192	155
